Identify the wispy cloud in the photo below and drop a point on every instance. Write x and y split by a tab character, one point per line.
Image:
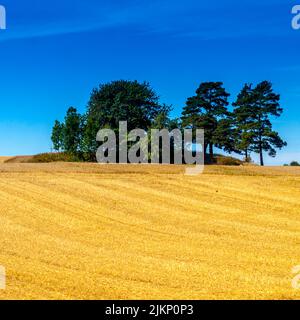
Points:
59	20
190	18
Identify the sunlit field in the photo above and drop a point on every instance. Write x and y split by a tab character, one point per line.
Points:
3	159
87	231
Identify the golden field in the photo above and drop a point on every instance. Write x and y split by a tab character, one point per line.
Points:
88	231
3	159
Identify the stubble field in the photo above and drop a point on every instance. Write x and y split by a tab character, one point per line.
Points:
87	231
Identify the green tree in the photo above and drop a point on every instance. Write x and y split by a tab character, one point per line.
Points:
57	136
244	121
72	131
88	144
205	110
163	121
123	100
131	101
224	137
265	106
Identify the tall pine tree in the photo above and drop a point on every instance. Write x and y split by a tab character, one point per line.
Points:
205	110
266	105
244	120
253	112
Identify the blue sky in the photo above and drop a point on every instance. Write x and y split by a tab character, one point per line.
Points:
54	52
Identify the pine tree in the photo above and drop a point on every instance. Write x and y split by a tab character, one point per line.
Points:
253	113
266	106
205	110
224	136
244	120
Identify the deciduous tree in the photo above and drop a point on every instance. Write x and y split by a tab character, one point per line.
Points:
57	136
72	131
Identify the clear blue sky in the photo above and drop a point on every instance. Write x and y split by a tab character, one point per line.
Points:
54	52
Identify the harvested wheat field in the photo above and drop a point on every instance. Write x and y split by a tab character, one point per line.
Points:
4	159
87	231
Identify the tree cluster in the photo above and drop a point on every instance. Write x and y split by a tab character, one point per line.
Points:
244	129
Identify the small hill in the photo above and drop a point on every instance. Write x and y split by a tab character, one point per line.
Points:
63	157
43	158
4	159
17	159
227	161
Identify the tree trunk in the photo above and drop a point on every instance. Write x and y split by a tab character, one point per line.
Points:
261	152
205	149
261	157
205	153
246	155
211	152
261	130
